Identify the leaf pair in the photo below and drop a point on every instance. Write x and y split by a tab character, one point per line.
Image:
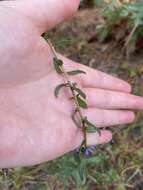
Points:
58	65
76	121
81	102
80	96
90	128
79	91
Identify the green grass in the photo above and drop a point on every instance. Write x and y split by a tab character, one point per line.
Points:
117	167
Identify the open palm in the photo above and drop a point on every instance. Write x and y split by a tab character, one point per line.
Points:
35	126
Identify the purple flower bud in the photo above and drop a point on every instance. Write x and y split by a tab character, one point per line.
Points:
93	147
90	150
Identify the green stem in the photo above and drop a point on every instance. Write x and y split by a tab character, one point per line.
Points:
73	93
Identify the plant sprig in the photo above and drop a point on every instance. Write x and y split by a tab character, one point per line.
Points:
79	98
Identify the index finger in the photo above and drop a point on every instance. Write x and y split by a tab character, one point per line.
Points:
97	79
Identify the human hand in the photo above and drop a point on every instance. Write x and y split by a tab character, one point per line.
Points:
35	126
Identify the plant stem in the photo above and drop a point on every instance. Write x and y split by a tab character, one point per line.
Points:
64	73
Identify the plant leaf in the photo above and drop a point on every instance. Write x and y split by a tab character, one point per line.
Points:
91	128
58	88
78	178
88	123
82	103
76	72
77	123
82	173
80	92
57	64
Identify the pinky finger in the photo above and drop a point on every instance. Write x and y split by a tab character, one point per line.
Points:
95	138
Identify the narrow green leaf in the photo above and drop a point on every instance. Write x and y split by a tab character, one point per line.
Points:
76	72
82	173
77	123
58	61
80	92
91	130
82	103
77	178
58	88
88	123
57	64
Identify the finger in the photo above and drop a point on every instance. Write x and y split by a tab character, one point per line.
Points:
45	14
95	138
104	118
105	99
96	79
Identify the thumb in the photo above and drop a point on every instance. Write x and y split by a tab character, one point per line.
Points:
46	14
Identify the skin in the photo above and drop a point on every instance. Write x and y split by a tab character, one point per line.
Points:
35	126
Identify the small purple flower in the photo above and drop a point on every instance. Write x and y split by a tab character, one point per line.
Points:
93	147
90	150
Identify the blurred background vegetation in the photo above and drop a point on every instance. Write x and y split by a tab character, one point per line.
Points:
106	35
